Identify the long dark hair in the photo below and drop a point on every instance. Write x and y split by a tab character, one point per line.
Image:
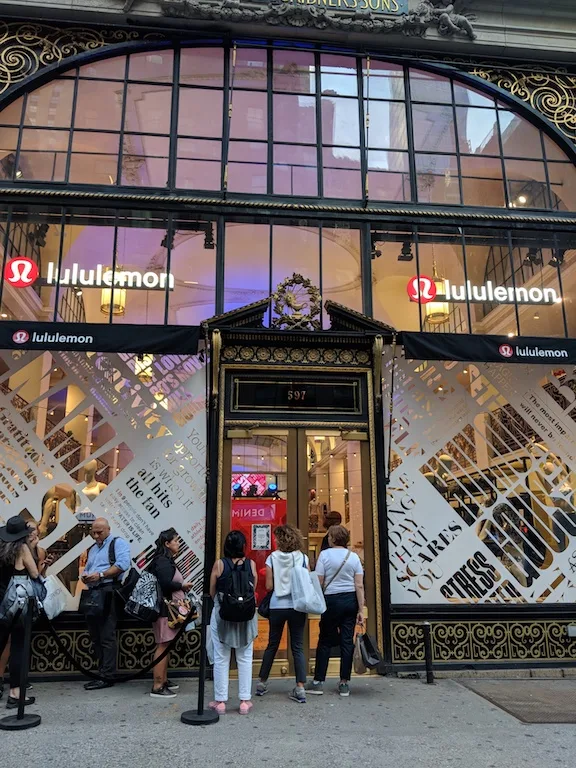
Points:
235	544
9	551
162	540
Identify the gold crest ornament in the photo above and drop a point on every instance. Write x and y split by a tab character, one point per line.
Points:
297	305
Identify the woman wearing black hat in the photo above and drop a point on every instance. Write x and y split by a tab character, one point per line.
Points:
15	560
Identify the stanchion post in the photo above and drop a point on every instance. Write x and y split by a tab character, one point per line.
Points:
200	716
427	633
23	720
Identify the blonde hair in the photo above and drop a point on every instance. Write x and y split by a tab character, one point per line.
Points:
288	539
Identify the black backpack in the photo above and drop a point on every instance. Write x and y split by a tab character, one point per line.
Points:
238	601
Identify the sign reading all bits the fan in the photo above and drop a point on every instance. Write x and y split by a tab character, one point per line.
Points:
391	7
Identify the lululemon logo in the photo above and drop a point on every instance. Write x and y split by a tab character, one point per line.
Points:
20	272
421	289
20	337
506	350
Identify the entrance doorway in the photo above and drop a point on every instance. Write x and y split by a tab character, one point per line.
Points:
309	478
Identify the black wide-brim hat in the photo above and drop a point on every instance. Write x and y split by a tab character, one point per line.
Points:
16	528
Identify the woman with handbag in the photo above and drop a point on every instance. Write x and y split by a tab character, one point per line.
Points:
173	589
16	562
279	564
342	577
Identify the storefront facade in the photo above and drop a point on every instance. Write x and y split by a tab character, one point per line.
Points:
313	205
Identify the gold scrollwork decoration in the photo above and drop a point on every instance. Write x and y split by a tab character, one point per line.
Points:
552	93
26	49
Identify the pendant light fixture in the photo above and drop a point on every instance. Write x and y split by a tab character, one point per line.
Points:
115	296
437	312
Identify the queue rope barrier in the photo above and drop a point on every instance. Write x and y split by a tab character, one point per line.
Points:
119	678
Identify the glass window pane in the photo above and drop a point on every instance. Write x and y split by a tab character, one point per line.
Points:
45	140
295	180
99	105
553	151
148	108
145	161
199	164
519	137
295	249
341	266
246	264
390	277
442	252
249	115
383	80
428	87
8	144
107	69
477	131
482	182
437	179
42	166
527	184
294	71
433	128
387	125
200	112
193	265
338	75
95	158
340	122
12	114
50	105
562	186
202	66
248	151
153	67
250	69
247	167
341	157
388	176
342	183
464	94
295	119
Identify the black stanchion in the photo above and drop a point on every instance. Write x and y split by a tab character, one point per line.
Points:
23	720
200	716
426	631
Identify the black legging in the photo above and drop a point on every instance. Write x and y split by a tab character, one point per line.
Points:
296	623
16	651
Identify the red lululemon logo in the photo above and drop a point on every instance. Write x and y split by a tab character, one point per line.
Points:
20	272
506	350
20	337
421	289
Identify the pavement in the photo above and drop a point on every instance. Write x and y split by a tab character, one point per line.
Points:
386	721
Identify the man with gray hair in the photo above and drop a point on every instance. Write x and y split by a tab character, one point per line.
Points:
107	560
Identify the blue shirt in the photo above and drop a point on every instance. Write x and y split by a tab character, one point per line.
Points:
99	559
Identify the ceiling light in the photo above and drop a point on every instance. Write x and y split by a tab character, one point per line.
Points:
465	370
522	199
406	252
557	260
118	303
534	256
4	314
511	335
190	282
437	312
375	254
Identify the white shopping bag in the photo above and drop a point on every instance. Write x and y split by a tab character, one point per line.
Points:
55	601
307	593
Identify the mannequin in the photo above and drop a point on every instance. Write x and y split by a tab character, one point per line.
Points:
92	487
313	512
51	506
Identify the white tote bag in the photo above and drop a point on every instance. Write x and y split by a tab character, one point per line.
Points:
307	593
55	601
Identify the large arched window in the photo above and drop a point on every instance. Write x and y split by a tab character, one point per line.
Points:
285	123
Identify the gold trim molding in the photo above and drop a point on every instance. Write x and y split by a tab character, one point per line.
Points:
298	356
484	641
25	49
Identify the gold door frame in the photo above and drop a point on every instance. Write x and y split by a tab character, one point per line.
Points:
224	424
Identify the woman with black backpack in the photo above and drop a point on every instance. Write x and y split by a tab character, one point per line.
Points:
173	587
234	623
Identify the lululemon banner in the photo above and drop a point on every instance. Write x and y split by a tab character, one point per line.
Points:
487	349
100	337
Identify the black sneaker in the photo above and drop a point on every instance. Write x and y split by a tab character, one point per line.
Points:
12	703
172	686
162	693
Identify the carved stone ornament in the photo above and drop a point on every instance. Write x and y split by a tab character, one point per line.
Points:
297	304
442	15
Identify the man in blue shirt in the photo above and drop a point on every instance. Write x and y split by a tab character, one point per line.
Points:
102	573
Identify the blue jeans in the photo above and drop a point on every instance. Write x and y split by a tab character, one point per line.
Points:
337	628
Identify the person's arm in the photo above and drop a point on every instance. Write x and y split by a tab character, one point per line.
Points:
269	578
320	570
29	563
359	587
216	572
43	562
255	574
164	570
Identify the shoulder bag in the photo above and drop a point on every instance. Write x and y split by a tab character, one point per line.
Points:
342	564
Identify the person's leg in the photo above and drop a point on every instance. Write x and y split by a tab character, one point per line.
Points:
277	621
4	656
328	632
108	639
244	657
347	625
296	625
221	669
161	668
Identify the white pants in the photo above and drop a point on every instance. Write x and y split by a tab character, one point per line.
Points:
222	667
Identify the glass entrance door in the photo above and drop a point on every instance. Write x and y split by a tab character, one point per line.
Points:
310	479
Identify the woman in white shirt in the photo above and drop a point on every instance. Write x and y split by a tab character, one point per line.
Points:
279	565
342	577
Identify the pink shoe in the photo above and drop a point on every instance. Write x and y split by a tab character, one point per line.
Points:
218	706
245	707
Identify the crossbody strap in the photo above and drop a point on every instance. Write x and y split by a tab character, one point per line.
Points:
342	564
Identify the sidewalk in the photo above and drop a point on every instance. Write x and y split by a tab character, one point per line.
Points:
385	722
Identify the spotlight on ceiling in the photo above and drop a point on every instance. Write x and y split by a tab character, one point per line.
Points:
534	256
375	253
209	244
558	259
406	252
